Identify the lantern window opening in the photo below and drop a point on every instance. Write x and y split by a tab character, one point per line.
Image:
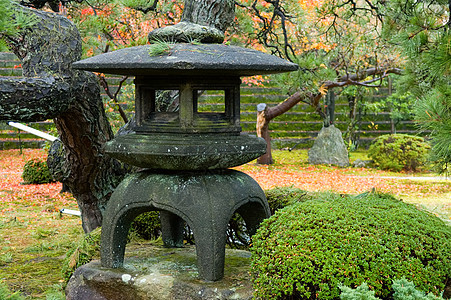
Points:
204	104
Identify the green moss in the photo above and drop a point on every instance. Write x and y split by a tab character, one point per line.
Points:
6	294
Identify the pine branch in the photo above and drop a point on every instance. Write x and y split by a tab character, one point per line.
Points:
106	87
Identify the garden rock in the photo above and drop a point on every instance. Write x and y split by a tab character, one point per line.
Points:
161	273
329	148
359	163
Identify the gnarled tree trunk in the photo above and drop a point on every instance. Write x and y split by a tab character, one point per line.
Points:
265	115
214	13
52	89
262	127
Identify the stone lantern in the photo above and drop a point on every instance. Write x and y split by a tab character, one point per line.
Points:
185	154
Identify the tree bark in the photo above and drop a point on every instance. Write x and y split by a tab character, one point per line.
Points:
16	94
52	89
203	21
263	132
214	13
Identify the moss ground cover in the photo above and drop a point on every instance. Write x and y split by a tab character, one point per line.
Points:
34	239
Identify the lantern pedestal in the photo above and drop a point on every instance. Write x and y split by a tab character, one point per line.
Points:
206	201
152	271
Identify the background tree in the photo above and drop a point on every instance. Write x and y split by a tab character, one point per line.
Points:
421	32
334	49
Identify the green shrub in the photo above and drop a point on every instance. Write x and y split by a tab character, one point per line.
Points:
398	152
6	294
280	197
362	292
308	249
404	290
35	171
147	225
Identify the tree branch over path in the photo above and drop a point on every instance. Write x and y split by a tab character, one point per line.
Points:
266	114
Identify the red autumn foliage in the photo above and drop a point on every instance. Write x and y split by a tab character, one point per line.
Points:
340	180
309	178
13	192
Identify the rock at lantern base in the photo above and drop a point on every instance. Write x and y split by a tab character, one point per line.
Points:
329	148
165	274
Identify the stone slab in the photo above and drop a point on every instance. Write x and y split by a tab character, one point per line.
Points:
185	152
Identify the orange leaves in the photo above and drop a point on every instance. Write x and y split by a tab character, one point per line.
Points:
348	181
87	11
308	4
266	4
257	80
323	89
14	194
311	178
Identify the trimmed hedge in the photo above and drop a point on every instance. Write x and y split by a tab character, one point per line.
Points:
35	171
404	290
279	197
398	152
147	225
308	249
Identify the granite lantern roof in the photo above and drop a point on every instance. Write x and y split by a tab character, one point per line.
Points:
187	59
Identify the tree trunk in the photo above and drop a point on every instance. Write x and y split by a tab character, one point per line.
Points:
84	129
203	21
350	131
263	132
329	109
52	89
214	13
264	117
